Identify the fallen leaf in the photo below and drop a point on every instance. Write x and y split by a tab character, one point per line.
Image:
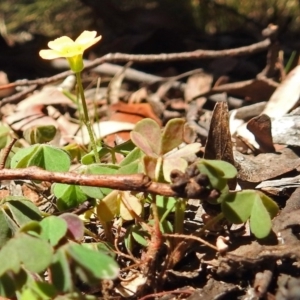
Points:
219	144
253	90
197	84
255	169
261	128
285	96
286	130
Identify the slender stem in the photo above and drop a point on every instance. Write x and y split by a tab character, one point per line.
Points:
5	153
179	215
158	168
211	223
156	236
157	232
86	119
166	213
107	227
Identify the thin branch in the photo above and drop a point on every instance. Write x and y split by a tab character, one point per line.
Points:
150	58
135	182
20	95
5	153
191	237
186	291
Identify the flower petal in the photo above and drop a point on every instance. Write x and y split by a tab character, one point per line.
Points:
86	37
91	43
66	47
50	54
59	43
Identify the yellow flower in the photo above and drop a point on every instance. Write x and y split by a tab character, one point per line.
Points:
71	50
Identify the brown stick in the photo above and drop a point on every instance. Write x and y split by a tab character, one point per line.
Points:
135	182
150	58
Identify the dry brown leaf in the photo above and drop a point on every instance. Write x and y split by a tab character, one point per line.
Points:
197	84
261	128
23	120
265	166
286	95
48	96
129	113
253	90
219	144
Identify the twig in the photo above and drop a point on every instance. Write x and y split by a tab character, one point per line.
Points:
145	58
154	246
16	97
6	152
189	292
135	182
191	237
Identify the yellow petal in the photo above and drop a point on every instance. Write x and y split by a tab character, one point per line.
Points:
91	43
86	37
66	47
49	54
59	43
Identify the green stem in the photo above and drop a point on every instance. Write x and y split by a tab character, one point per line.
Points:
86	119
179	215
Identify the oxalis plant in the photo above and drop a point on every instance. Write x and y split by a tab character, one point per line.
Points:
164	156
44	256
204	179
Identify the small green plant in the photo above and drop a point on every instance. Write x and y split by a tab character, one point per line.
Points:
52	245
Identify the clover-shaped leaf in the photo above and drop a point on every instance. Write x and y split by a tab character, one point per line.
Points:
172	135
23	250
15	212
37	290
132	163
215	174
40	134
238	207
160	148
92	264
21	209
228	170
139	235
147	136
68	196
75	226
43	156
53	229
22	157
60	268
